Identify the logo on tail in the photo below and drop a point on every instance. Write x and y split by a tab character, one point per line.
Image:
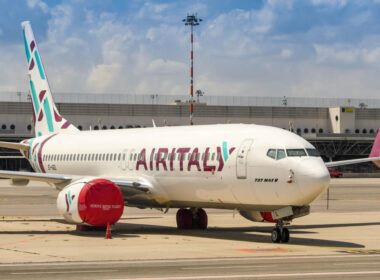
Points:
46	117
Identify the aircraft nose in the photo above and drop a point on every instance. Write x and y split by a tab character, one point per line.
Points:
312	178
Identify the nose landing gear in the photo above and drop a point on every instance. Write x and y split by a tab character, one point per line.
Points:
280	233
191	218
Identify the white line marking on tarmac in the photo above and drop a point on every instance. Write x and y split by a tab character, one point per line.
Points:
187	260
228	267
272	275
61	272
357	263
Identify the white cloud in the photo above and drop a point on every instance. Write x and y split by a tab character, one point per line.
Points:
239	52
102	77
331	3
151	10
339	53
286	53
372	56
38	3
160	66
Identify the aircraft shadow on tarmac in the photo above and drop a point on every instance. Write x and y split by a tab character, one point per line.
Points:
248	234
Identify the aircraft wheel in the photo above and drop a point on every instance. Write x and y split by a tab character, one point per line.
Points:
276	235
202	218
184	219
285	235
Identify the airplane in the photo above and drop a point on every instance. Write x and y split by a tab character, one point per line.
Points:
268	174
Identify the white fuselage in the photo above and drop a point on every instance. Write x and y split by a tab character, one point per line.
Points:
218	166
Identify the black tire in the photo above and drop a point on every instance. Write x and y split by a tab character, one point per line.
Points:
276	235
285	235
184	219
202	219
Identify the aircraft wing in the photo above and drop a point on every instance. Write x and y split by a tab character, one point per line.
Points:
129	187
42	177
351	161
15	146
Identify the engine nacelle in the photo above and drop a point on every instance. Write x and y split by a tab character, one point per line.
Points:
258	216
96	202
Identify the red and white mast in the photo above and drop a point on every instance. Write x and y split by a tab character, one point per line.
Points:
191	20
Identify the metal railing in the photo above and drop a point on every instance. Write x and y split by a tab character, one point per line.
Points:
117	98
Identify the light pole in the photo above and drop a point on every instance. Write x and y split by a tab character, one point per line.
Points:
191	20
199	93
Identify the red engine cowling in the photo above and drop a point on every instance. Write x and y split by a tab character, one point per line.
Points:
96	202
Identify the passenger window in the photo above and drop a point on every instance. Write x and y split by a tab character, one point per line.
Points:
179	156
280	154
119	157
271	153
123	156
155	156
218	156
135	157
213	156
115	156
130	157
203	156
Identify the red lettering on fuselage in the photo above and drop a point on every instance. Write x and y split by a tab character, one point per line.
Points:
162	155
172	156
205	166
141	160
161	159
182	152
194	160
220	156
151	159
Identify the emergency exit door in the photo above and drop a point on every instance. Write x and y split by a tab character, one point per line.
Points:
241	159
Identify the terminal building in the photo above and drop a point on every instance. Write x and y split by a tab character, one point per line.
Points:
338	128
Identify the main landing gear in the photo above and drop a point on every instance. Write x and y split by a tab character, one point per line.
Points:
280	233
194	218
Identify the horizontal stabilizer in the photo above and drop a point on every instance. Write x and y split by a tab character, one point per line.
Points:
351	161
15	146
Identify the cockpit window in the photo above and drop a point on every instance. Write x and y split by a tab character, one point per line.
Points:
280	154
271	153
296	152
313	152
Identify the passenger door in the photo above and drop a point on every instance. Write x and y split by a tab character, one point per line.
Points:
241	159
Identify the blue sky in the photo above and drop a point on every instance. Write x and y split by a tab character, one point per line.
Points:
326	48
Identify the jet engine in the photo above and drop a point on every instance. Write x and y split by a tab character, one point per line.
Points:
273	217
96	202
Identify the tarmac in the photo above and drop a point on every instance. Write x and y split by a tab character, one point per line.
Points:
342	241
